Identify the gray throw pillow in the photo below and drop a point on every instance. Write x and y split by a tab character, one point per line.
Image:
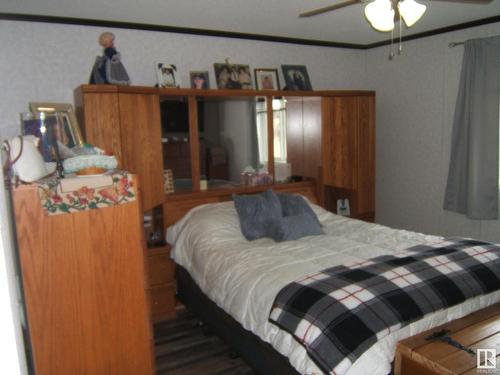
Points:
292	204
293	227
256	212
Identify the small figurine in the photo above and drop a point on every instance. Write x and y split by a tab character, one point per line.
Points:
108	69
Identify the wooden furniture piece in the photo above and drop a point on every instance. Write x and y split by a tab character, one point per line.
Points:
349	153
332	129
161	283
479	330
335	129
83	277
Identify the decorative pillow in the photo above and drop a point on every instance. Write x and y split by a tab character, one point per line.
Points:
256	212
293	227
292	204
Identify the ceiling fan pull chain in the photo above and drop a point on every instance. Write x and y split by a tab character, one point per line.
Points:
400	48
391	54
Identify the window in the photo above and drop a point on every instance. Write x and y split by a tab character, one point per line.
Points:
279	134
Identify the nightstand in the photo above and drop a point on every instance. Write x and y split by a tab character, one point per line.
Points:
161	281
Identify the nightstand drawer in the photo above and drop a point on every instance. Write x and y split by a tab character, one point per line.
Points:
162	302
161	270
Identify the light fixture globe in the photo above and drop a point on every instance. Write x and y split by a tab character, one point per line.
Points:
411	11
380	15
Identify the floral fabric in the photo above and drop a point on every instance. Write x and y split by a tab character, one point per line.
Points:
55	202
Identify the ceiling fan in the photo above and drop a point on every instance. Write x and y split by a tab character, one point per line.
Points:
381	14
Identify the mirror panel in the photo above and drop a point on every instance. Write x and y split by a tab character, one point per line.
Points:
233	140
176	143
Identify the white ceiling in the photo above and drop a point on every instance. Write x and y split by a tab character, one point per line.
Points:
263	17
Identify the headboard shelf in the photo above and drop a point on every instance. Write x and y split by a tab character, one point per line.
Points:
178	204
216	192
292	133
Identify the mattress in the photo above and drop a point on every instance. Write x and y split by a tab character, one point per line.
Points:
243	278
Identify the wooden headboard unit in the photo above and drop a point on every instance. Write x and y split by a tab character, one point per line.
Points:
178	204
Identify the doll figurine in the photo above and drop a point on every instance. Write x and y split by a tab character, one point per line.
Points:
108	68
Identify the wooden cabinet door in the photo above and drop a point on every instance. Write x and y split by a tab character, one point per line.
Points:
84	288
102	122
349	152
366	154
340	122
141	144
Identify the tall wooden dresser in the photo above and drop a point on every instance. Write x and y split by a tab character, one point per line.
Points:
84	287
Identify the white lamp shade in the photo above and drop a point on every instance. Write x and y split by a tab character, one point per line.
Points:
380	15
411	11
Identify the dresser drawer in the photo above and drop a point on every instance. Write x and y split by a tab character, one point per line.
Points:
162	302
161	270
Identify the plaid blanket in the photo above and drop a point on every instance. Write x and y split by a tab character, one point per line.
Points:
340	312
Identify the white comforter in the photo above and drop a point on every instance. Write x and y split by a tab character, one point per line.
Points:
244	277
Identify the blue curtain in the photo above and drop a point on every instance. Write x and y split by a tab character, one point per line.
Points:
472	186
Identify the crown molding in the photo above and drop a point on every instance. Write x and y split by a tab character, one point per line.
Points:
236	35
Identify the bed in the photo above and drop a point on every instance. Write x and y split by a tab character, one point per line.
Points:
232	283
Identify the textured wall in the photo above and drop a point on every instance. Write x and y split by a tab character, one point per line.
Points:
45	62
416	95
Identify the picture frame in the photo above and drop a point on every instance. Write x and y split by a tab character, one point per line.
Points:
199	79
233	76
266	79
296	77
168	181
56	125
165	74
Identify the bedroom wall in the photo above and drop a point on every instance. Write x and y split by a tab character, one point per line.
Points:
45	62
416	95
415	100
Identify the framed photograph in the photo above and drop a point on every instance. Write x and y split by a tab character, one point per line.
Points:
266	79
233	76
168	181
296	77
56	126
166	75
199	79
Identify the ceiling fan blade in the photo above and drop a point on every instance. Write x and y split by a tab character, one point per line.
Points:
329	8
479	2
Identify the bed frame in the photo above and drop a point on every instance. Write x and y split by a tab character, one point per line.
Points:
261	356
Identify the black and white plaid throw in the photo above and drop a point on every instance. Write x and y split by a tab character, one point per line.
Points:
339	313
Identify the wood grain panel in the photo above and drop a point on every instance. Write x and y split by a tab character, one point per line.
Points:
343	136
415	342
270	135
195	146
466	336
101	124
459	361
163	302
84	288
175	210
177	205
148	90
312	118
295	135
366	152
141	144
327	142
161	269
480	329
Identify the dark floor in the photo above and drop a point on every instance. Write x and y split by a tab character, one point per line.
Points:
184	347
